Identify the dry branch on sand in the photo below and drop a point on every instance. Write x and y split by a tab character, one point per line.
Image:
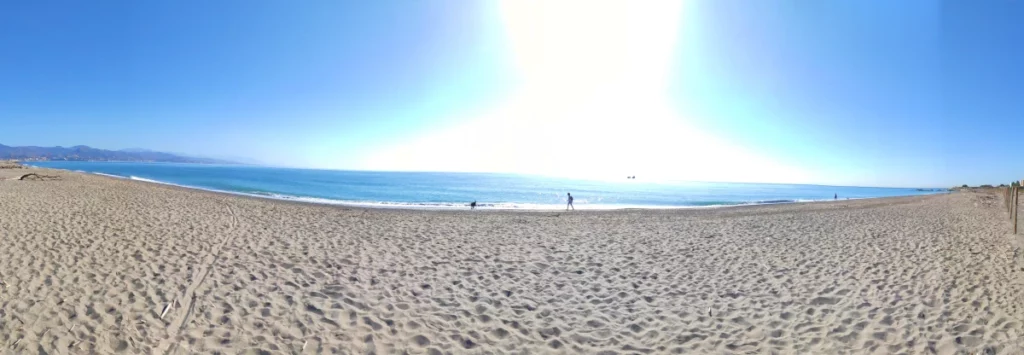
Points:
34	176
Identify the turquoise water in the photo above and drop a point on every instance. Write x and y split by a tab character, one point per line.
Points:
456	190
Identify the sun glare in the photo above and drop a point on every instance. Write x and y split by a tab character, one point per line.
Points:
591	101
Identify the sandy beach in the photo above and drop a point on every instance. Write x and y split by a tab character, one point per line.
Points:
97	264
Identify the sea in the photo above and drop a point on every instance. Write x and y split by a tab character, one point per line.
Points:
439	190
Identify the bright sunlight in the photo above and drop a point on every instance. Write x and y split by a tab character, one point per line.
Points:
592	101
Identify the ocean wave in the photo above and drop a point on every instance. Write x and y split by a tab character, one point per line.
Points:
772	202
740	203
776	202
110	175
136	178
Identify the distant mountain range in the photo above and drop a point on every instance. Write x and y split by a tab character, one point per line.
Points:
85	153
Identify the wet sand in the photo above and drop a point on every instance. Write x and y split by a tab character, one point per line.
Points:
91	263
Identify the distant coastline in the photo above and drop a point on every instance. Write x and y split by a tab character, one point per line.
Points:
35	160
90	154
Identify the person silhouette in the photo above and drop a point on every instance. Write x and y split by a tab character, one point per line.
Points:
836	197
567	206
472	205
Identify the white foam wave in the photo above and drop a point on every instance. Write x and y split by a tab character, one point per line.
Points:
110	175
136	178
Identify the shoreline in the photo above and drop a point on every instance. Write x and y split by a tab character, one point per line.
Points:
453	207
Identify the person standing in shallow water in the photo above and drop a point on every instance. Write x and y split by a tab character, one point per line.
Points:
570	202
836	197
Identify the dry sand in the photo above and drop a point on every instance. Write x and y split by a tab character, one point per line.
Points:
89	263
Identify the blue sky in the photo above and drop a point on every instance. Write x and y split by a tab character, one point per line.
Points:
908	93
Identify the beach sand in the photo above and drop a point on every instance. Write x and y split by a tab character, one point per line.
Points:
90	263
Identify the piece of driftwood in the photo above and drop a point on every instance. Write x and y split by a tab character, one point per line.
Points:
34	176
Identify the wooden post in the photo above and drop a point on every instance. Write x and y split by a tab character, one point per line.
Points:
1015	209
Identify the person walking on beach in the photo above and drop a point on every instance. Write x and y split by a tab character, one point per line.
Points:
472	205
570	202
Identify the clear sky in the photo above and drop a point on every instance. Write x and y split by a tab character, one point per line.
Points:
880	93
